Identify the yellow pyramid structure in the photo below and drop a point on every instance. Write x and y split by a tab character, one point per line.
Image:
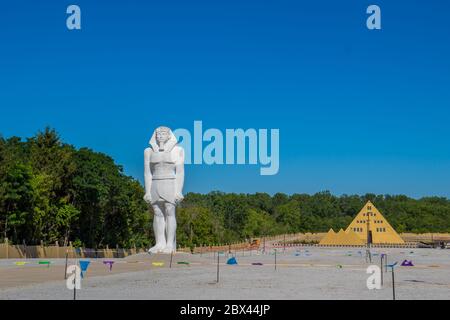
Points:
341	237
369	221
329	239
353	238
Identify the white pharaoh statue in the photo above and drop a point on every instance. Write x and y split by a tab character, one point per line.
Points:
164	180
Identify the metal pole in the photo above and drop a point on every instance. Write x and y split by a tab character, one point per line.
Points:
171	258
393	284
275	259
218	261
381	267
369	238
65	270
75	285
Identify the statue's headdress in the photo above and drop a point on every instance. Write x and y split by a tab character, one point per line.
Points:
169	145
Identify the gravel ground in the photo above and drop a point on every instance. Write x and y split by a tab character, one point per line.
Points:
312	273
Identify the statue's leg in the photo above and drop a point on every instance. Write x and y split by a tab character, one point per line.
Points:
171	227
159	227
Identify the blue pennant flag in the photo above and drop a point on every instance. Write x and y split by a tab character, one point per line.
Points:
84	265
392	265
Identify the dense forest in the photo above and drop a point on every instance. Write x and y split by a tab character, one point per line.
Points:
50	191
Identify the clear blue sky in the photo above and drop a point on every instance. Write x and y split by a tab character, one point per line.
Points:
358	111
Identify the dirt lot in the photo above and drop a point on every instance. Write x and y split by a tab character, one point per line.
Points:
306	273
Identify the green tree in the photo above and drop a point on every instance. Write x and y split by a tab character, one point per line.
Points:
260	223
288	215
17	201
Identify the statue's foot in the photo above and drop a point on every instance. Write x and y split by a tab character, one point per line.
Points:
157	249
168	250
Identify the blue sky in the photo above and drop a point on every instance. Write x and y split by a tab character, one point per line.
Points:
358	111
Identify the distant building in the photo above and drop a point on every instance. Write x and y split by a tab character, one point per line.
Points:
369	226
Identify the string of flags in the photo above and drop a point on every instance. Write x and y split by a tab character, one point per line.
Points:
84	264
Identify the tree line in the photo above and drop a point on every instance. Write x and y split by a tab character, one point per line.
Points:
51	191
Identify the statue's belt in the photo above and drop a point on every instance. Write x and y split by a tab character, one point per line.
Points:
164	177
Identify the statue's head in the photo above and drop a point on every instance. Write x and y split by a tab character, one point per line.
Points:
162	135
164	138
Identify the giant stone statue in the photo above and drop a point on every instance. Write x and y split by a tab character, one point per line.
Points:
164	180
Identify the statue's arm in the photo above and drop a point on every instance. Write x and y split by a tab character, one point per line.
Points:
179	170
147	171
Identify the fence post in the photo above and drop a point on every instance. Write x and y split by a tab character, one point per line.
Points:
43	251
7	248
57	249
71	249
24	248
264	249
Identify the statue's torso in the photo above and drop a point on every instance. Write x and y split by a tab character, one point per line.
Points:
162	166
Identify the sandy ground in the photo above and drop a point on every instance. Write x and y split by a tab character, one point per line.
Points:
308	273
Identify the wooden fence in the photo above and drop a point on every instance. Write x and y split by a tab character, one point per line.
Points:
8	251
